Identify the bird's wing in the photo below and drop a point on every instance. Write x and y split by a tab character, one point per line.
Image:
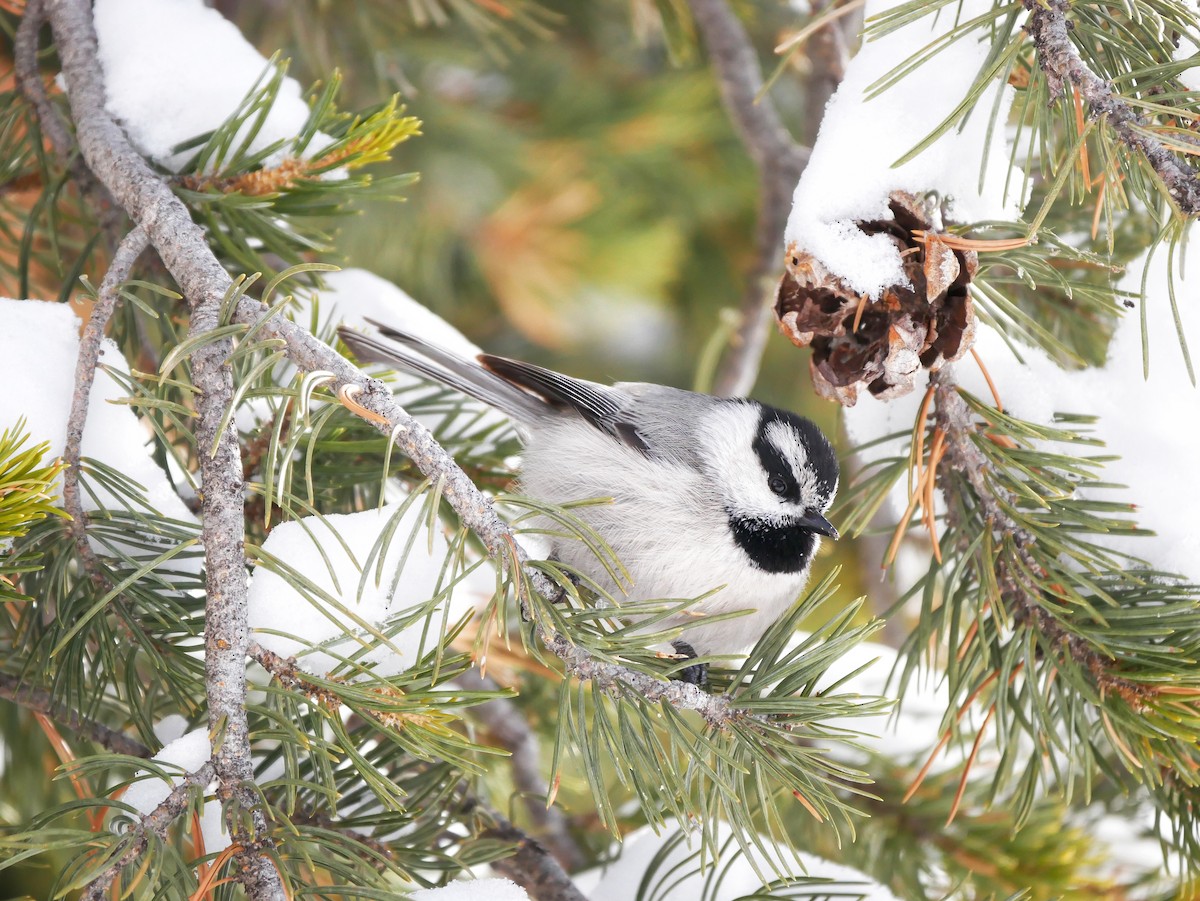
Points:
605	408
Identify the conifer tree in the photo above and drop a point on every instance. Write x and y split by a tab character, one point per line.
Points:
276	625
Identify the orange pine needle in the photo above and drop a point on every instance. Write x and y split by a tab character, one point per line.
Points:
496	8
1118	742
1083	151
1000	440
553	790
933	755
1184	690
919	437
808	806
902	526
862	305
348	395
962	783
208	882
988	378
957	242
65	756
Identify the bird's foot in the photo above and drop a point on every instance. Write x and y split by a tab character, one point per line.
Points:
697	674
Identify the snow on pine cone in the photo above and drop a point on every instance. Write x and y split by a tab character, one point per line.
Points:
881	344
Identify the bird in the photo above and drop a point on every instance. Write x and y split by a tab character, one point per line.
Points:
715	496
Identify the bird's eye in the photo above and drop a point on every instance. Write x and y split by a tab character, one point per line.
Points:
777	485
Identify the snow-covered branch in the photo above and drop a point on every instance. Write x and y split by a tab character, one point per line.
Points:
156	822
226	629
1060	62
29	81
780	161
180	243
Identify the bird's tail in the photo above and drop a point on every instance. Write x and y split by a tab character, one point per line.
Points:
409	353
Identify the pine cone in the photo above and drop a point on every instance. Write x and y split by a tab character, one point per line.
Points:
922	325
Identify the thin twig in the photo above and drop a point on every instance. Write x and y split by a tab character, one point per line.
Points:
85	373
156	822
42	701
779	159
508	726
531	866
828	54
29	82
1061	64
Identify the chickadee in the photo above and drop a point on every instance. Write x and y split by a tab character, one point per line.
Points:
706	491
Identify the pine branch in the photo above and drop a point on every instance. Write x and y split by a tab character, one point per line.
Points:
29	81
1020	599
130	249
182	245
226	607
1049	28
42	701
122	170
507	724
779	159
156	822
533	866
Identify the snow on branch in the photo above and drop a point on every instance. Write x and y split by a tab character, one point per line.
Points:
1050	29
156	822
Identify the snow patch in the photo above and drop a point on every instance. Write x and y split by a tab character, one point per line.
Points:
39	346
338	555
189	752
474	890
176	69
676	878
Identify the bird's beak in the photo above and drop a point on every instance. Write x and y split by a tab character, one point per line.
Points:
815	522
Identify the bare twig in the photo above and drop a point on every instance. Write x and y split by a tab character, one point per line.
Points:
29	81
226	633
156	822
779	159
531	866
42	701
1061	63
85	373
509	727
